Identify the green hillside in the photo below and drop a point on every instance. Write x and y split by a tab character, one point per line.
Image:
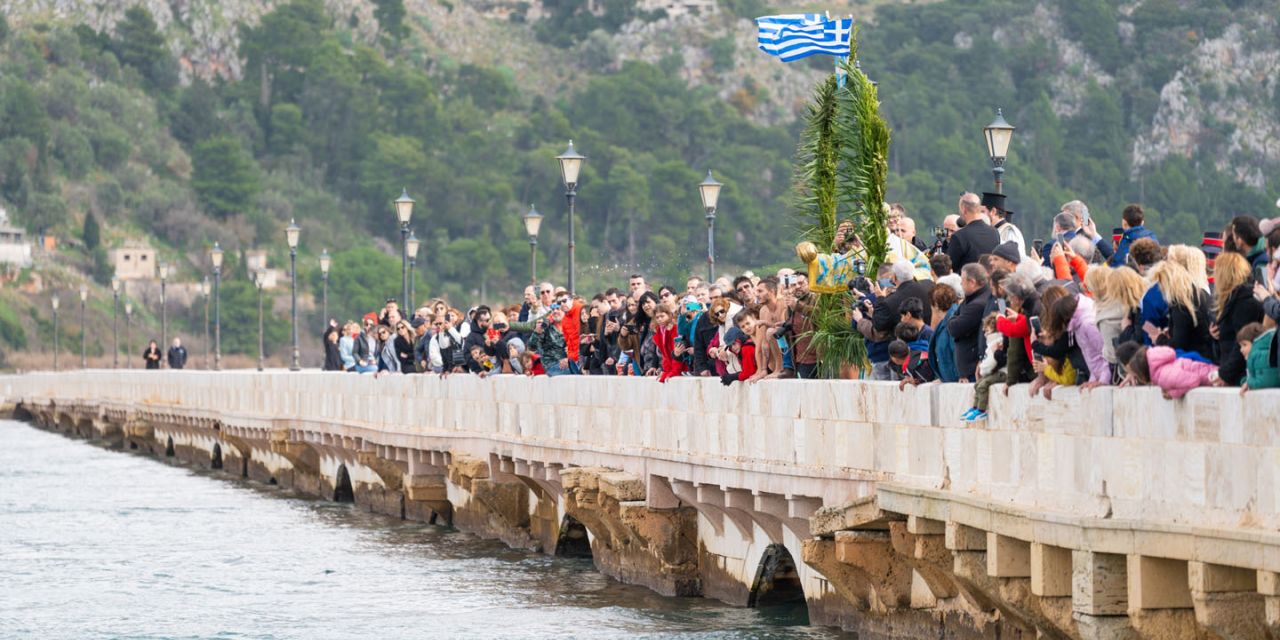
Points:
330	116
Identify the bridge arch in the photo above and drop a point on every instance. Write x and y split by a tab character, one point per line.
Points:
573	541
215	460
777	580
168	447
342	489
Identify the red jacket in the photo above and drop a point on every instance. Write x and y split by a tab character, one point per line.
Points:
1019	327
748	358
570	327
672	365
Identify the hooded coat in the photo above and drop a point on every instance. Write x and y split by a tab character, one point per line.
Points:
1084	330
1176	376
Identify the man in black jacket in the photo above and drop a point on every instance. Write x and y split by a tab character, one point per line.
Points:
177	355
480	319
886	316
977	236
966	325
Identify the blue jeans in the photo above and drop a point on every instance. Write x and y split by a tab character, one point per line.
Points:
364	368
553	368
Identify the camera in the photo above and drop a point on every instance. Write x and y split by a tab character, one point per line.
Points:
940	233
860	268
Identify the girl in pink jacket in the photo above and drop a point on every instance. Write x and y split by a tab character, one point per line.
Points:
1163	367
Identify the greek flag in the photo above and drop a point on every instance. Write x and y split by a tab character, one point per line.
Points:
800	35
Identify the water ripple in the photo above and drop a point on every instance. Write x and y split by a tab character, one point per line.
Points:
102	544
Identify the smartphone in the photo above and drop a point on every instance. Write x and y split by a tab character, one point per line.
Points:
1035	325
1001	305
1038	245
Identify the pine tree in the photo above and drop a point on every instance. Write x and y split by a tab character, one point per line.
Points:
225	177
92	235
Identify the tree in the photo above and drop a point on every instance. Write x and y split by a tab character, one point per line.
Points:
139	44
196	117
287	128
390	16
239	301
225	177
23	113
360	281
91	235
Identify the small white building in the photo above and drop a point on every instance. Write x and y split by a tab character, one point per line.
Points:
134	261
15	248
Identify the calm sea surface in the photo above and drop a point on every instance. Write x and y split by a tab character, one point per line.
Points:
103	544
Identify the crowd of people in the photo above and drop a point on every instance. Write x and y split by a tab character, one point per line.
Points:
977	303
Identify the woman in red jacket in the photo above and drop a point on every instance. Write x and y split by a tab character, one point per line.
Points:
665	338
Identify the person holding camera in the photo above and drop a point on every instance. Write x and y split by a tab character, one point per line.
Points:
902	286
446	346
549	343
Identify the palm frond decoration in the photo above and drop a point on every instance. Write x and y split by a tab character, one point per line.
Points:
841	169
862	143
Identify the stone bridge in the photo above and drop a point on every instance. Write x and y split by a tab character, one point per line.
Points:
1110	513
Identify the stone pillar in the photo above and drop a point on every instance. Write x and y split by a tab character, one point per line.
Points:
1227	601
486	507
630	541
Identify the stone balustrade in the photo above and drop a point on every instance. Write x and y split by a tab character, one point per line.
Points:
1101	512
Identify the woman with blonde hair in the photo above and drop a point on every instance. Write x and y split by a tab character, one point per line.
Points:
1193	260
1235	307
1109	313
1175	312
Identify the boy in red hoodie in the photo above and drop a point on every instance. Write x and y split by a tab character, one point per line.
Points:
747	321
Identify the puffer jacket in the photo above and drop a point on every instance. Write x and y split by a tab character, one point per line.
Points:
1176	376
665	340
942	350
1084	331
1108	318
1262	370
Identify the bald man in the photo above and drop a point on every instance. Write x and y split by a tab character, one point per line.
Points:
975	238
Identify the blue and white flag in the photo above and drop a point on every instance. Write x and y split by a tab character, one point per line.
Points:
800	35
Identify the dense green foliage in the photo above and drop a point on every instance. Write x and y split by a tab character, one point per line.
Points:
937	96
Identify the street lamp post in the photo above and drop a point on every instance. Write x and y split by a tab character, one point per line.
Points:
258	281
115	322
411	248
324	279
532	223
128	326
404	211
54	303
999	133
570	164
215	256
204	291
164	315
709	189
84	296
291	235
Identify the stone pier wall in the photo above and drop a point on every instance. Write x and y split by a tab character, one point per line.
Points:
1106	513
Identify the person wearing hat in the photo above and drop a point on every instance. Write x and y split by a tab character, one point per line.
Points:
1001	219
976	237
1007	255
1131	220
